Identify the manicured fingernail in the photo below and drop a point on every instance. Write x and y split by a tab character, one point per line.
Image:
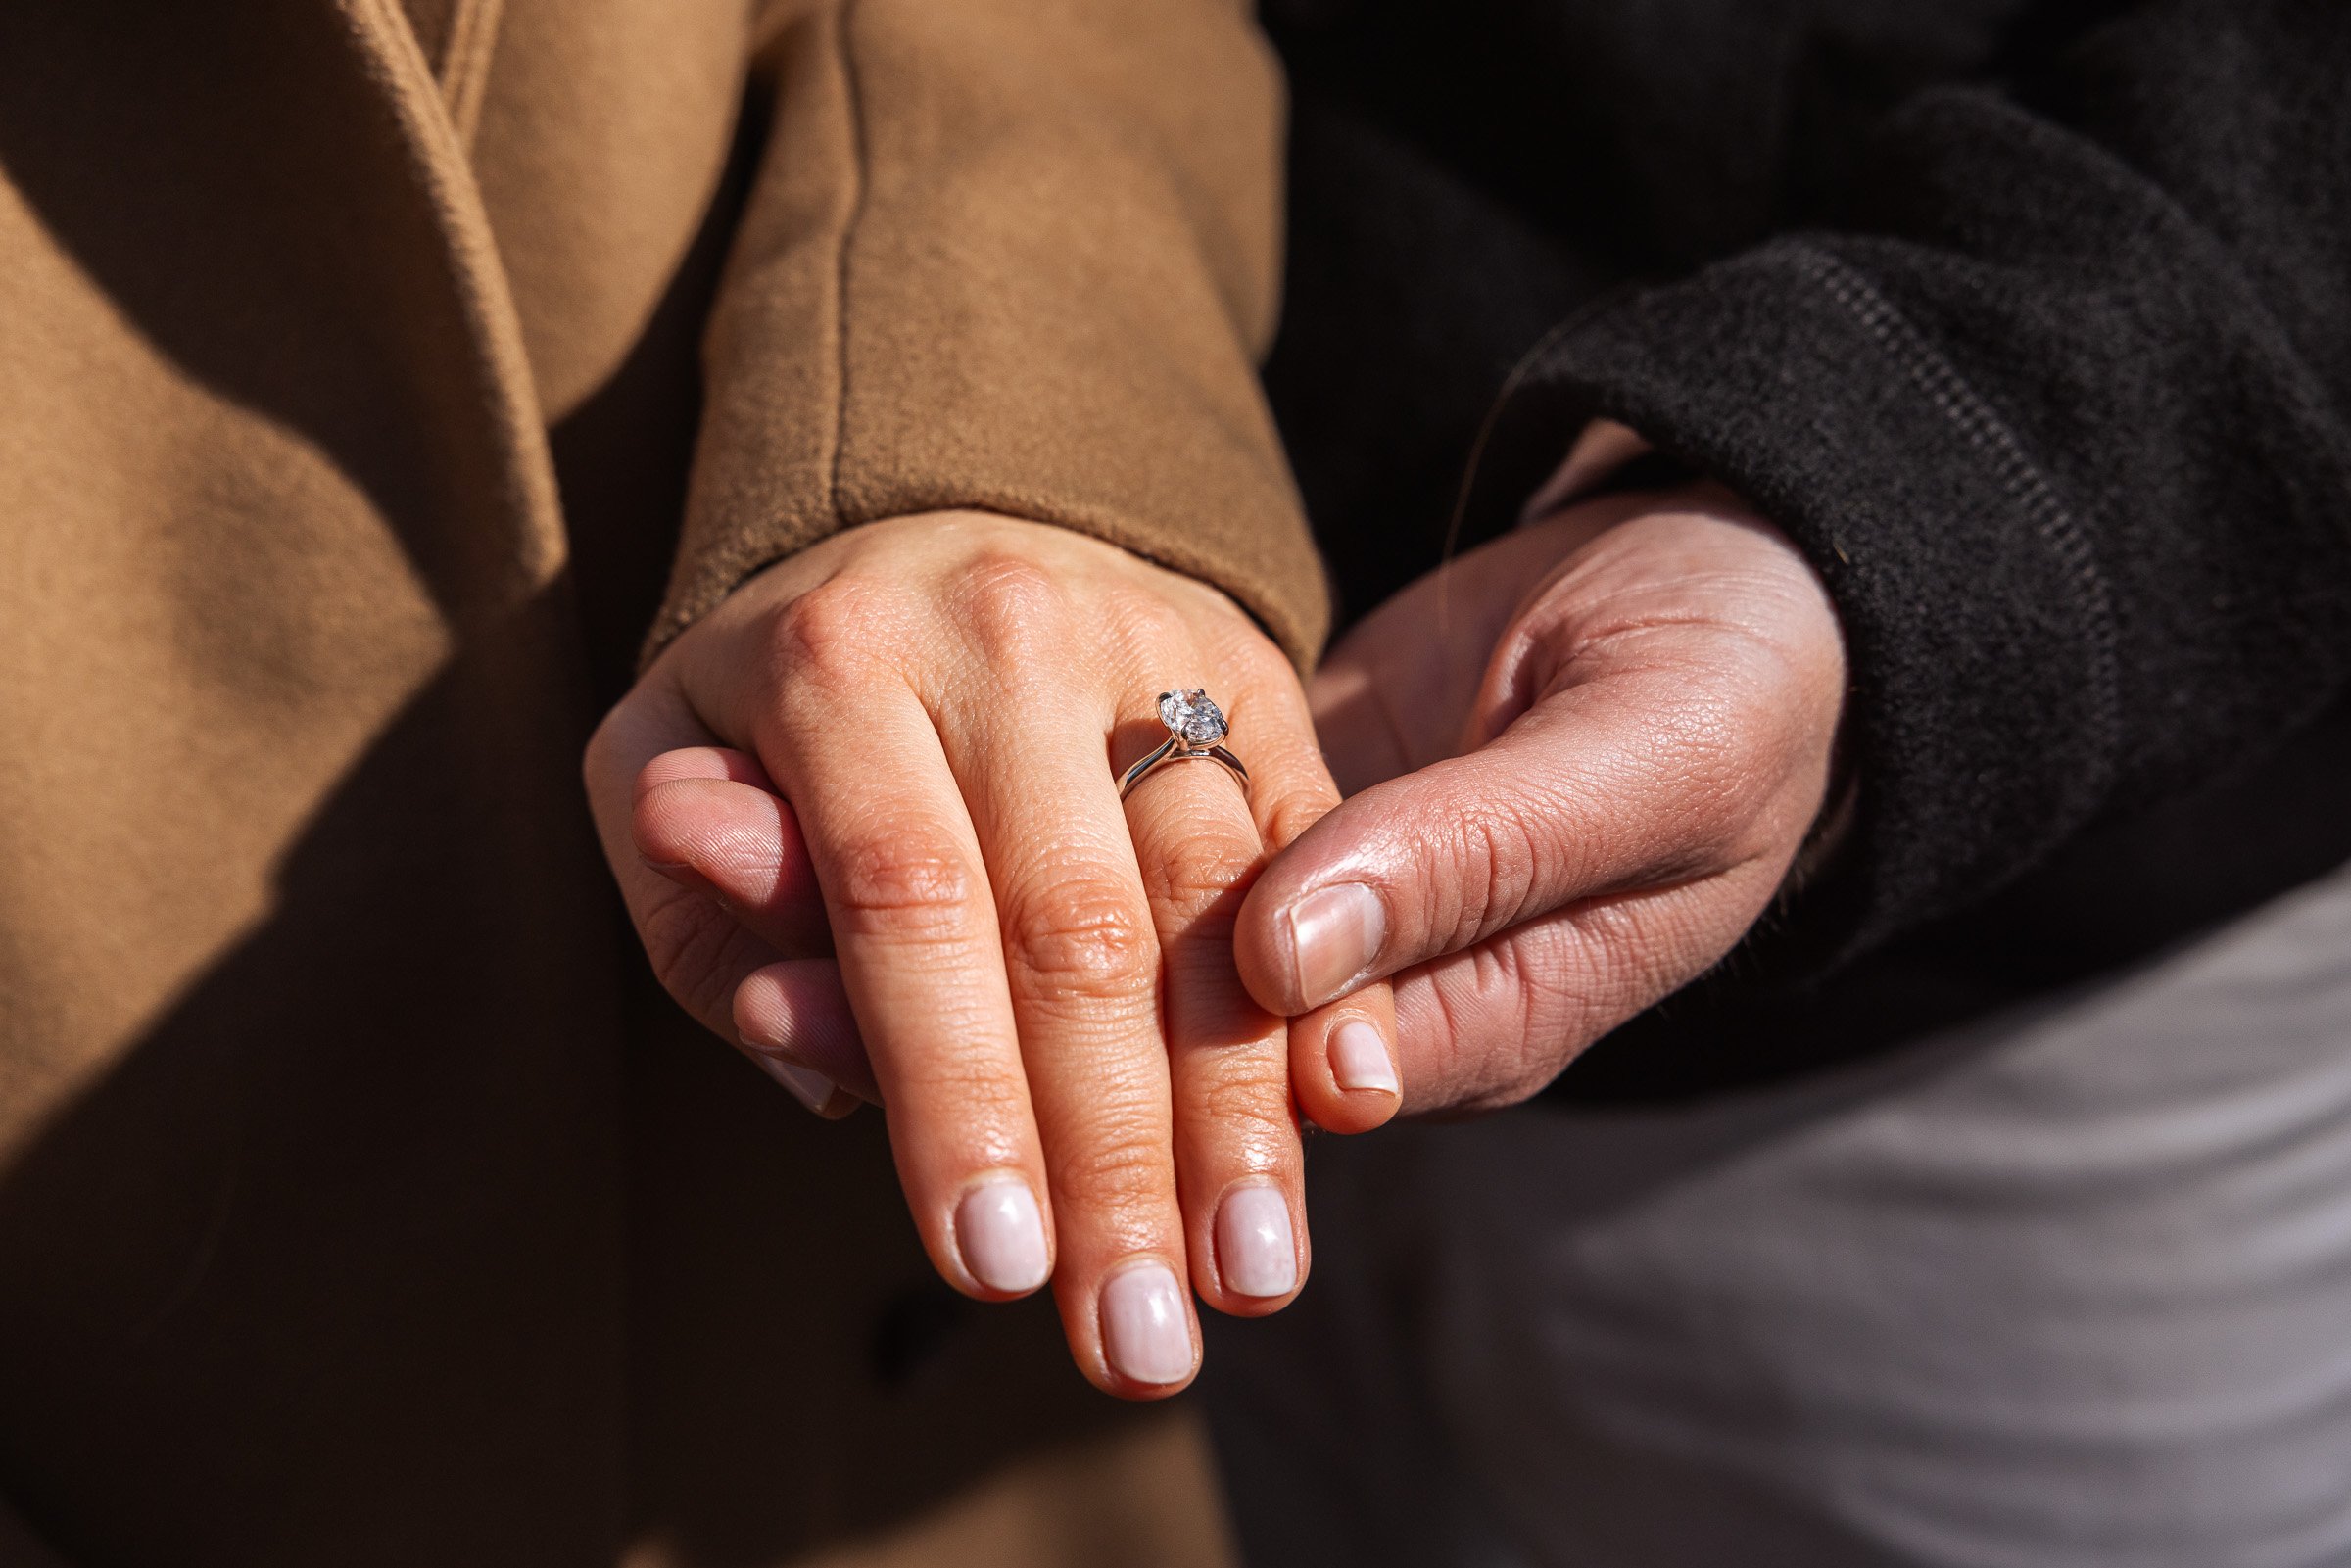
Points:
1335	933
1359	1058
1002	1236
1145	1333
812	1089
1255	1251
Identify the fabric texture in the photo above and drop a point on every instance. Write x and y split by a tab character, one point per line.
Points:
361	1198
1040	244
2063	417
2029	321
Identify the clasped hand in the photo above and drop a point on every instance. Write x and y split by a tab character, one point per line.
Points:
955	915
866	820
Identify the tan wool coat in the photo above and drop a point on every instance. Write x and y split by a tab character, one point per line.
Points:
374	379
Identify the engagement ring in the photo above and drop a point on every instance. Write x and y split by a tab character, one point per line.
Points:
1196	732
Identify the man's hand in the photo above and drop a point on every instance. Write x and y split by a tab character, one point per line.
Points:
1580	762
866	818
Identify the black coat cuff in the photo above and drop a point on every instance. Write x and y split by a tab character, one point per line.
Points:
1983	720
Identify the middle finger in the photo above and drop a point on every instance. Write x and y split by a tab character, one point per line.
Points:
1082	959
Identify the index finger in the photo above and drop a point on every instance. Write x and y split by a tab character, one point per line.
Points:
915	929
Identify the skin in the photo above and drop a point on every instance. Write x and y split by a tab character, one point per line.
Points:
865	817
1569	799
1580	761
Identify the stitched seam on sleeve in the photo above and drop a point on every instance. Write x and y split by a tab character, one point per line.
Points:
466	64
860	170
2019	476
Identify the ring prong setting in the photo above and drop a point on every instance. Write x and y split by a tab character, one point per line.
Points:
1193	716
1196	732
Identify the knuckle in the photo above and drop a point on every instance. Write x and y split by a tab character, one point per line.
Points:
1487	868
1123	1169
1086	934
1258	663
1198	870
1146	624
1247	1104
833	633
895	888
982	1092
1009	604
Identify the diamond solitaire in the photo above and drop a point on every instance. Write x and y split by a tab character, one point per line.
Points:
1196	732
1190	714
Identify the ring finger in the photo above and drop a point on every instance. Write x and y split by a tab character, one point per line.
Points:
1238	1158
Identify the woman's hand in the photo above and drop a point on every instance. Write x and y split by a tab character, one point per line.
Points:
1566	800
892	861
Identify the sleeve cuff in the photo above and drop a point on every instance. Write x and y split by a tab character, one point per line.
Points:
1984	715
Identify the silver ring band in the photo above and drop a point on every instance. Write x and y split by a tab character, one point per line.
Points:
1170	750
1196	732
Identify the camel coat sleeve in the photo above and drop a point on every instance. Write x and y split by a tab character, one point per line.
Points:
1012	255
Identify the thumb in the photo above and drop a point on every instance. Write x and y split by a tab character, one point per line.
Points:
1670	696
1624	781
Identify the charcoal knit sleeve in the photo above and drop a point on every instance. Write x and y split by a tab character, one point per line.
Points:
2061	410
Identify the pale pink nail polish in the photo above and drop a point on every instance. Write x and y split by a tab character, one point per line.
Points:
1002	1236
1146	1334
1359	1058
811	1088
1335	933
1255	1250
